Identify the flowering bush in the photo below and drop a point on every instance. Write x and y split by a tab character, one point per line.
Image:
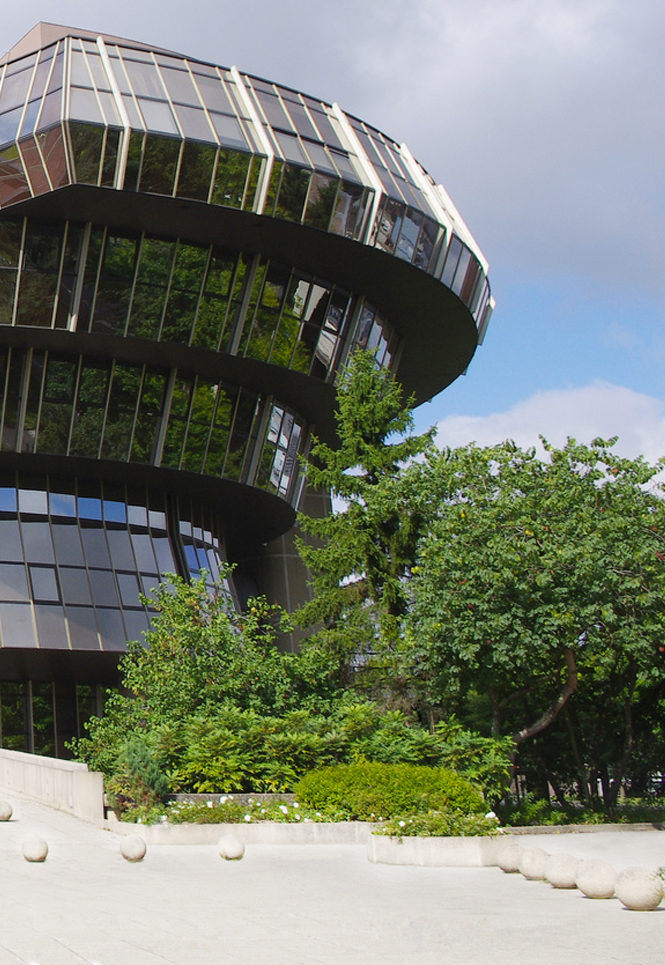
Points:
228	810
435	824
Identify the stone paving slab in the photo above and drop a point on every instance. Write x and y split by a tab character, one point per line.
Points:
302	905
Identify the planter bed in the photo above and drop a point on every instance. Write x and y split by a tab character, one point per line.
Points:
261	832
457	852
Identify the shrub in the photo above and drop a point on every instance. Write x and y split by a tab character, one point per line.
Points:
533	811
137	780
368	791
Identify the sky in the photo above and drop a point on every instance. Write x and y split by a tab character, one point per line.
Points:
544	120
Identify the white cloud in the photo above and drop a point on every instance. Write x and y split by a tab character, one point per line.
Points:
599	409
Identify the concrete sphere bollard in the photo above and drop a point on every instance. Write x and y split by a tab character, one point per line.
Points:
34	849
5	810
133	847
532	863
509	858
639	889
231	848
596	878
561	870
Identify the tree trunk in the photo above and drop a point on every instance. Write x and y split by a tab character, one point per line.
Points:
581	772
556	706
496	713
614	785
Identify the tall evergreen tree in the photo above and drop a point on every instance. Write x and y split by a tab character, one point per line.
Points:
360	556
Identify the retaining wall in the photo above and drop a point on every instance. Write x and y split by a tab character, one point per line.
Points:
66	785
263	832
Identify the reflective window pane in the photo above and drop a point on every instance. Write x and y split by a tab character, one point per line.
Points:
13	582
136	623
111	629
82	628
68	547
129	590
44	584
10	541
75	588
95	548
51	629
37	542
18	629
121	550
62	504
103	588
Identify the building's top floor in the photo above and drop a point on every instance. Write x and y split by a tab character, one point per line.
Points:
80	108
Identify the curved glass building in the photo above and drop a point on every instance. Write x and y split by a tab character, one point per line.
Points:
188	254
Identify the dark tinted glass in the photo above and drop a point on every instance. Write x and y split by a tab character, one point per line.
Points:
13	582
44	584
17	627
103	588
82	628
121	550
96	551
10	542
68	548
111	629
37	542
75	588
51	627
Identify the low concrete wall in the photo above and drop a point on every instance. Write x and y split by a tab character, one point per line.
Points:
263	832
66	785
436	852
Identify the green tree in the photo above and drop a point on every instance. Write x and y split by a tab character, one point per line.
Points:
540	592
212	705
360	556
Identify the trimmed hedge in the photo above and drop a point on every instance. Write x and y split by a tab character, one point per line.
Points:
373	791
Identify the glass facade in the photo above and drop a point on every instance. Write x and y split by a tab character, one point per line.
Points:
196	254
40	716
94	279
95	112
80	560
82	406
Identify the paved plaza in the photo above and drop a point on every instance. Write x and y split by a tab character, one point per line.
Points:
303	905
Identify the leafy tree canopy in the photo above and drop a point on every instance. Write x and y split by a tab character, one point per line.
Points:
538	580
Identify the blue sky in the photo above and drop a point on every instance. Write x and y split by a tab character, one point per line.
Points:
544	121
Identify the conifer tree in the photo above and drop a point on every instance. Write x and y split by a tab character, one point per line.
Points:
360	555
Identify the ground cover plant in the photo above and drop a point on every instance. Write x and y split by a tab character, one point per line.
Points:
533	811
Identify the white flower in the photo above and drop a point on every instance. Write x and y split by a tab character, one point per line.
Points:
209	803
295	804
163	818
223	799
490	816
297	817
248	817
402	824
283	808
